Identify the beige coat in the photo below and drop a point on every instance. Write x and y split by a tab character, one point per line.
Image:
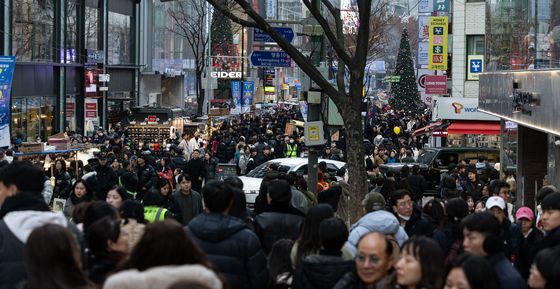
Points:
164	277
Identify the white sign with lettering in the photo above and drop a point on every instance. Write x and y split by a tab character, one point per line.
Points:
225	74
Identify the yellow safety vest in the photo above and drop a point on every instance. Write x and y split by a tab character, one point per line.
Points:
154	214
291	152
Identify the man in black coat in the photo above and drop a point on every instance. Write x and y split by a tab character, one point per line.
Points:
106	178
409	215
196	169
280	220
227	241
417	183
147	177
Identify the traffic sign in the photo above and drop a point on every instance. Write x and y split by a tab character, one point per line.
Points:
261	36
271	59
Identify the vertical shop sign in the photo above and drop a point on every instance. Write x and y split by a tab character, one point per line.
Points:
7	65
476	66
248	93
437	48
235	87
90	114
441	6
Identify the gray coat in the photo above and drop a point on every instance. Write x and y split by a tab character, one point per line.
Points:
196	202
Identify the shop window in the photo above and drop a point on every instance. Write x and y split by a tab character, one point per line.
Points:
33	30
33	117
70	52
92	25
119	39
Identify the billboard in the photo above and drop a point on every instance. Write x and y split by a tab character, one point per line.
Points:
437	48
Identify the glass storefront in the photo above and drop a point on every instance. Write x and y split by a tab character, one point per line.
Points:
33	117
33	30
91	35
119	39
522	34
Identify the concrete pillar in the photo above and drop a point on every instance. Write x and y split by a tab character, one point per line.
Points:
531	164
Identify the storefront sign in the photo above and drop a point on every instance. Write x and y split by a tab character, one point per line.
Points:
425	6
248	94
226	74
436	84
441	6
476	66
92	81
314	134
423	28
152	119
437	48
95	56
459	108
235	88
90	114
7	65
423	54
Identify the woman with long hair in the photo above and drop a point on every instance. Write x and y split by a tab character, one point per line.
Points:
420	264
456	209
108	245
80	193
164	243
471	272
279	265
309	242
63	180
52	260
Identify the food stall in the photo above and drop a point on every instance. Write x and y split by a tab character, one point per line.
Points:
156	124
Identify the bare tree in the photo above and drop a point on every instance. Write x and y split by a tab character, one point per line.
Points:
189	21
353	61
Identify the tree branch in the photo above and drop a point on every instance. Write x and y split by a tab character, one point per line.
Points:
228	12
294	53
340	51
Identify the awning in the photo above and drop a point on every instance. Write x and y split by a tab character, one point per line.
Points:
436	125
474	127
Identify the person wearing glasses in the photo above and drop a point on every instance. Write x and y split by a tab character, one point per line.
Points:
373	261
409	215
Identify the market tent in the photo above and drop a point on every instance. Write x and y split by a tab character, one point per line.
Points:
474	127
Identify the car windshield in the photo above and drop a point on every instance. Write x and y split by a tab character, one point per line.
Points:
427	157
263	169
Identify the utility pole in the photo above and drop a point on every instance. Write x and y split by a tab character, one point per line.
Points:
208	90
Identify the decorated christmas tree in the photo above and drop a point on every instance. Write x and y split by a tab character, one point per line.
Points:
222	50
404	93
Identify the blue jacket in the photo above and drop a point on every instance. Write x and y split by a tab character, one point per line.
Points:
508	276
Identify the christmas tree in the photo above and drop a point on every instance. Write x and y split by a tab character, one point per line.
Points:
222	49
404	94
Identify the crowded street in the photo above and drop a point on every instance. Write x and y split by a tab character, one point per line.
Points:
213	144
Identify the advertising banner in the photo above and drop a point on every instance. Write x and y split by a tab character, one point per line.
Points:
425	6
235	88
7	66
91	116
437	48
248	94
423	55
459	108
476	66
436	84
423	28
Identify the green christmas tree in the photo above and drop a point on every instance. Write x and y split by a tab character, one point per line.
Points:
404	94
222	49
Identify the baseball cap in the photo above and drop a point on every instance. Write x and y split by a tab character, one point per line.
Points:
495	201
373	202
524	212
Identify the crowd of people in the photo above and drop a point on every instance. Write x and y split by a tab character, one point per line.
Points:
144	215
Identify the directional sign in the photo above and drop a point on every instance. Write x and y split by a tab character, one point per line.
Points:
271	59
261	36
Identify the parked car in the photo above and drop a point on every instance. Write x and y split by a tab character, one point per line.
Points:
252	181
434	161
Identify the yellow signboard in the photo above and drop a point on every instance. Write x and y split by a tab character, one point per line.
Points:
437	48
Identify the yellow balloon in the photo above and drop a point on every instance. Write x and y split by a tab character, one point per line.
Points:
397	130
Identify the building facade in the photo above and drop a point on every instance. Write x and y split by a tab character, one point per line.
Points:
61	47
521	87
